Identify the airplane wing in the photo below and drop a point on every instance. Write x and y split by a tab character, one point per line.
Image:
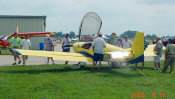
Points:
34	34
61	56
149	51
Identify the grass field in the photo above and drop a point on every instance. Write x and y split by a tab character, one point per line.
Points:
61	82
5	52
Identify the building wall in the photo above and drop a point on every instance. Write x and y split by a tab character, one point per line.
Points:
25	24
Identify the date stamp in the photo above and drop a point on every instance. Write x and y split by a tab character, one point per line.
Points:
154	95
138	95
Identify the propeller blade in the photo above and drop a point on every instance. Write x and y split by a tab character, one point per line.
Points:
67	45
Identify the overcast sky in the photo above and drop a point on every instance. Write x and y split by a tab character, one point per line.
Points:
149	16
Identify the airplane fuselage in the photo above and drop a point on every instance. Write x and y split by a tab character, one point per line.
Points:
85	48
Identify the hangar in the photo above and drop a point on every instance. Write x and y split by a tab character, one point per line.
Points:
25	24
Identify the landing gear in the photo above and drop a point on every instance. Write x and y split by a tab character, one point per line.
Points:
79	65
115	64
82	64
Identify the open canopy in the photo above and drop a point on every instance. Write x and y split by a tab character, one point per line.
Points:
90	25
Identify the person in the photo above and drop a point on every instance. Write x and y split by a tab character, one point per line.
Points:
49	46
119	42
25	45
98	46
158	48
126	43
169	56
15	43
112	40
66	41
145	46
153	42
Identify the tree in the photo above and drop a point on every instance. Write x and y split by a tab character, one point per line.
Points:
129	33
63	35
168	36
72	34
154	35
148	36
58	34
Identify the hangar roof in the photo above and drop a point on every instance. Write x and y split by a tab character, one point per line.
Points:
21	16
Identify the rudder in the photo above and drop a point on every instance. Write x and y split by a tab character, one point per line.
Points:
138	48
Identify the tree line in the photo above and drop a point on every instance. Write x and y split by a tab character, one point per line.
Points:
61	34
129	33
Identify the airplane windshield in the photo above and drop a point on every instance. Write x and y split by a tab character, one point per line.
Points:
87	45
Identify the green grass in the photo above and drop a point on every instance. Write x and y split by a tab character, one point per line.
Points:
5	52
61	82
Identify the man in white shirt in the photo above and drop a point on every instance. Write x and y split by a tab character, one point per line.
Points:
25	45
126	43
159	49
66	41
98	46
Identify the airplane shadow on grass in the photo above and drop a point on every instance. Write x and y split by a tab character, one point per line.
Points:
123	71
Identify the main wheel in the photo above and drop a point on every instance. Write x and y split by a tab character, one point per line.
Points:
82	64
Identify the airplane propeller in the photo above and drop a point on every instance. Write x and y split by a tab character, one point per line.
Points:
70	45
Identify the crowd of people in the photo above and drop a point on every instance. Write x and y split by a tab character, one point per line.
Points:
98	45
126	43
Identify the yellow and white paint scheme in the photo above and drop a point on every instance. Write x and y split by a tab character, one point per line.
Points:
83	52
115	54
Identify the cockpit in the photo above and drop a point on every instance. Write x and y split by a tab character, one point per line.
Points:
87	45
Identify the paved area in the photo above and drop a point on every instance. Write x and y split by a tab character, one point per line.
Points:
6	60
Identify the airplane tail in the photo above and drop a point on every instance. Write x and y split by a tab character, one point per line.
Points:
138	48
16	30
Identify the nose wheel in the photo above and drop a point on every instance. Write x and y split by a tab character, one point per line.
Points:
115	64
79	65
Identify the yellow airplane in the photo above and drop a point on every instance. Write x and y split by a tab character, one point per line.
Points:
83	51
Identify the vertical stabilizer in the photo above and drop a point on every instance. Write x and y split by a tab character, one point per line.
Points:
138	48
16	31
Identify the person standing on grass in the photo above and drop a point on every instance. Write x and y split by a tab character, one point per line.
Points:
25	45
169	56
49	46
15	43
158	48
145	46
98	46
66	41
